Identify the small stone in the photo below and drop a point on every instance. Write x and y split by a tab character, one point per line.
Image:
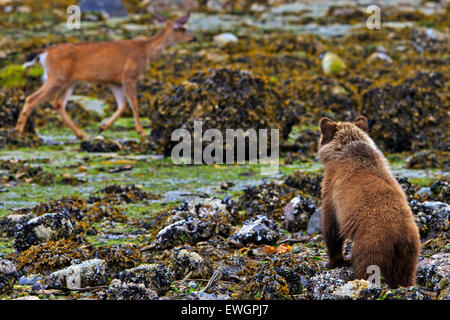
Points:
224	38
29	281
332	64
379	56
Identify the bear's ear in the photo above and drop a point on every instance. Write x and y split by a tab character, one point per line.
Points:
327	129
361	122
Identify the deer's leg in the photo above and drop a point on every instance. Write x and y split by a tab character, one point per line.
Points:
130	93
41	95
60	106
121	105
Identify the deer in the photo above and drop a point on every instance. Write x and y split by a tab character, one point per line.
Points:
117	64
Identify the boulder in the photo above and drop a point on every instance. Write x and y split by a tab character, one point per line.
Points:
50	226
297	213
8	275
154	276
119	290
89	273
315	222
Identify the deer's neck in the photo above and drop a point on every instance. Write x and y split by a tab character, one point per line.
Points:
157	44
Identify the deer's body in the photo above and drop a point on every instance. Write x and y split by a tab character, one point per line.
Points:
117	63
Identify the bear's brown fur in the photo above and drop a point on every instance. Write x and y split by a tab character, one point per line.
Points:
363	202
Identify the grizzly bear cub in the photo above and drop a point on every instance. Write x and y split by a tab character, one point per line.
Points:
363	202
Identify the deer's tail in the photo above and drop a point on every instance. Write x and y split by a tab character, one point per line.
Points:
31	58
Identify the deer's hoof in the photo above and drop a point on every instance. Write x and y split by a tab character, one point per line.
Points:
82	136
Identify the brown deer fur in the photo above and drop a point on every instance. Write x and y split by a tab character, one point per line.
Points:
117	63
363	202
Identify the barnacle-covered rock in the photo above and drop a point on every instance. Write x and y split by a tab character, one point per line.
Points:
120	257
258	230
185	261
19	170
8	275
409	189
127	193
440	191
194	221
267	199
422	160
432	217
431	40
154	276
322	285
11	102
297	213
264	283
238	99
433	273
119	290
407	116
89	273
50	226
357	290
8	223
407	293
307	182
100	144
188	230
51	256
13	139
